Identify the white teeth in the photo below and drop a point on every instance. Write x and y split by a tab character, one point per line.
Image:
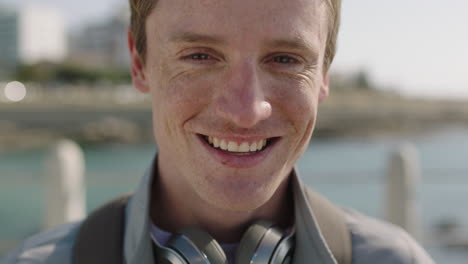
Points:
253	147
223	145
244	147
232	146
260	145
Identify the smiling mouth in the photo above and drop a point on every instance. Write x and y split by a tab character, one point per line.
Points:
239	148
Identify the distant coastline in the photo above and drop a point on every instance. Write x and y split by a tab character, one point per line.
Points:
344	114
373	114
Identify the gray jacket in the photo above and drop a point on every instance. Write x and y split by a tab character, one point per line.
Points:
373	241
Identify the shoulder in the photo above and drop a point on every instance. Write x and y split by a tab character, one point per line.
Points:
49	247
376	241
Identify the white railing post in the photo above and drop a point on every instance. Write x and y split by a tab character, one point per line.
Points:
64	184
403	178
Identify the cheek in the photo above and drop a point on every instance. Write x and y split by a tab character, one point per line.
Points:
298	101
304	115
178	95
298	104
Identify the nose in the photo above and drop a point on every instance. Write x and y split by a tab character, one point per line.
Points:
242	98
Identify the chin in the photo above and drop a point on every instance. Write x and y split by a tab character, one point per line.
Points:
238	195
239	204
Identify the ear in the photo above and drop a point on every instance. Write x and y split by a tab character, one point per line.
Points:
137	66
324	87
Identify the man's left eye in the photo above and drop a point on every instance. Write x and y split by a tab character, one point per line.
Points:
284	59
200	56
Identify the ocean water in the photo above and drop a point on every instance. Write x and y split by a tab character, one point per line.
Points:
350	172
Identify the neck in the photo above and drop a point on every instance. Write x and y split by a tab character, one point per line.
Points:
174	207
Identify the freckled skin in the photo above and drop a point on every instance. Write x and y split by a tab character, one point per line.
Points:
245	85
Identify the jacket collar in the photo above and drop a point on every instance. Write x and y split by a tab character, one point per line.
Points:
310	244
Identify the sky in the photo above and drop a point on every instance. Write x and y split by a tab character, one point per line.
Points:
420	46
417	47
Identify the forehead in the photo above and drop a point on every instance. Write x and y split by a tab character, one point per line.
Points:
240	20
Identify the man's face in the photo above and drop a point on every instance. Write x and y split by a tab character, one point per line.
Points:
233	75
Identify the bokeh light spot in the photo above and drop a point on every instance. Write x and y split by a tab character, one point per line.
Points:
15	91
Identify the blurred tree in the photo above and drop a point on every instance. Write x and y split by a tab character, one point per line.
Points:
42	72
75	74
358	81
70	73
361	81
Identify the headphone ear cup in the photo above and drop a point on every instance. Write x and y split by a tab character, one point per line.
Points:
197	246
258	243
164	255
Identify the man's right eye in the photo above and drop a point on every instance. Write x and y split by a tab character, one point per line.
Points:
199	56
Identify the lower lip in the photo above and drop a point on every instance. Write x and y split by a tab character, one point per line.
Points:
241	161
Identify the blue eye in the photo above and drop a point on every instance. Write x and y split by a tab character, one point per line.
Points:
200	56
284	59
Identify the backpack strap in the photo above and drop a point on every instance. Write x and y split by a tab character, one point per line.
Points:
100	237
331	221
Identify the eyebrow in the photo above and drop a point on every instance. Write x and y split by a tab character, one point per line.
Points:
190	37
294	44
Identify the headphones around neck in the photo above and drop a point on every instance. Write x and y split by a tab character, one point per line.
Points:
261	244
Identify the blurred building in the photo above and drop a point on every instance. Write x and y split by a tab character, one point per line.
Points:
9	25
30	35
102	44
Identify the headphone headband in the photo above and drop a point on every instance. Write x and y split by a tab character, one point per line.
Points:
262	243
